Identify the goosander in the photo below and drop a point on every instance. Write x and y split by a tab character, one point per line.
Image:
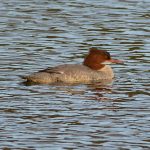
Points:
94	68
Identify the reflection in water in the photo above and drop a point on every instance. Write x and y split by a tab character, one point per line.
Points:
39	34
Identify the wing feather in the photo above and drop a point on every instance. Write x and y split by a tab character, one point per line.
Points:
52	70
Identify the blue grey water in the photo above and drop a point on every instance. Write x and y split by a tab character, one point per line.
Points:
35	34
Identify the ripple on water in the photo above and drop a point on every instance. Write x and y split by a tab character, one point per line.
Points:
38	34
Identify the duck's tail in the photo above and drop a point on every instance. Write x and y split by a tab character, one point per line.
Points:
23	77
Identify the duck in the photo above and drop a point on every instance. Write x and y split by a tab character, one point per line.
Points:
95	67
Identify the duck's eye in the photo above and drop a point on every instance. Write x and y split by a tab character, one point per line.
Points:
107	54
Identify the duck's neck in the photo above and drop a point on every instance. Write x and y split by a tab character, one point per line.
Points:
107	70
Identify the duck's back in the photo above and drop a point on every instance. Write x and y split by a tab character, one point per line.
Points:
69	73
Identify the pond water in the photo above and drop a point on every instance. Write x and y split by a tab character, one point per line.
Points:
36	34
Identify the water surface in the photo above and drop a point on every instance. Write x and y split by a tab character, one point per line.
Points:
37	34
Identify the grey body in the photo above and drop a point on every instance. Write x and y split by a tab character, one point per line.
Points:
70	73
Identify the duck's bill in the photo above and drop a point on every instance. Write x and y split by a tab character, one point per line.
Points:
113	61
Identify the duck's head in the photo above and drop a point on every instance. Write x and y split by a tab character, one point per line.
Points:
97	59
